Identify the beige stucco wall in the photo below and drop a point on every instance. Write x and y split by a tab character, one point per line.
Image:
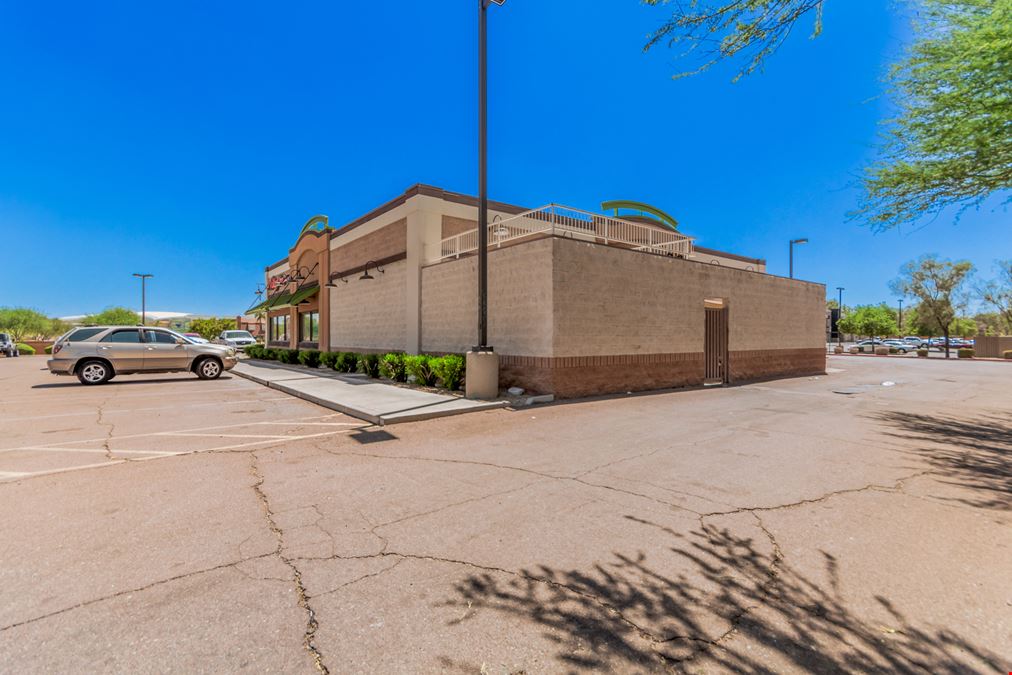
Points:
386	241
519	297
370	314
614	301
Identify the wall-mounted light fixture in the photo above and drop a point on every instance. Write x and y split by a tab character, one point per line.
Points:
331	284
365	272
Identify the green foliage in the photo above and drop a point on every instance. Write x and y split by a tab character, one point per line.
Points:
211	328
998	293
392	367
1007	354
49	349
309	358
922	352
732	29
25	350
450	370
347	362
420	366
371	365
950	144
936	285
870	320
289	356
113	316
963	327
329	359
255	351
964	353
22	323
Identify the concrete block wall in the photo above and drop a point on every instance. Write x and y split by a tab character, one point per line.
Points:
370	315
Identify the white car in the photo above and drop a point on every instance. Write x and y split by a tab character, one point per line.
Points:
899	345
236	338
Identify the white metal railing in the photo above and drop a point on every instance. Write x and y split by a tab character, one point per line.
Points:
563	221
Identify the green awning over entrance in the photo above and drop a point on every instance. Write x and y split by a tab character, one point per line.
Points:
302	294
278	301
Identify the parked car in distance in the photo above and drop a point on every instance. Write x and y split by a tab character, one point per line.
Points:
916	341
196	338
8	346
120	350
901	345
236	338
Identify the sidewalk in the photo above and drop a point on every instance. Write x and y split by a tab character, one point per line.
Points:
357	395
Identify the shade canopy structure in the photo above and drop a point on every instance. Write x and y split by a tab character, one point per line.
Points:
645	210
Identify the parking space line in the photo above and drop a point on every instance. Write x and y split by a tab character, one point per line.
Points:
315	424
95	451
210	435
162	407
12	474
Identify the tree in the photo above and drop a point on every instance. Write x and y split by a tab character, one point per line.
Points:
963	326
113	316
211	328
752	30
936	284
998	294
23	324
870	320
948	147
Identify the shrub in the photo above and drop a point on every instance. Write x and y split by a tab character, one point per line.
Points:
347	362
255	351
392	366
289	356
894	350
371	365
25	350
838	349
310	358
964	353
49	349
271	354
855	350
1007	354
881	350
420	365
329	359
450	370
922	352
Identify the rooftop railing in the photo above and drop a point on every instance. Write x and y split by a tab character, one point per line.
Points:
563	221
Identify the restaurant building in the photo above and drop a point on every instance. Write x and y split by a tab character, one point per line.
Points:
579	304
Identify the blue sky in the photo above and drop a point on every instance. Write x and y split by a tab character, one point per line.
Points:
191	140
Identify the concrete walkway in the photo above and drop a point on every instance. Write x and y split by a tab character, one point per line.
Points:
357	395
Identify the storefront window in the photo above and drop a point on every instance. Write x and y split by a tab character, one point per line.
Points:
279	328
309	330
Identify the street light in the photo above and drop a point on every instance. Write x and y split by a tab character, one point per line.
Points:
839	315
143	278
482	363
803	240
900	321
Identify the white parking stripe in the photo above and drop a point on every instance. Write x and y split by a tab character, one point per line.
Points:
94	451
91	413
209	435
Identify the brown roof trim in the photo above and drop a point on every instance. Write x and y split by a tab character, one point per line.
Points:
732	256
397	257
427	191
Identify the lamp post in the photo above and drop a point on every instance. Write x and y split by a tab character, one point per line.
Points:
143	278
900	320
839	304
803	240
482	362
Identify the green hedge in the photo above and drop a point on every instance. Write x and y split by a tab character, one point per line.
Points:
393	368
25	350
420	367
309	358
49	349
450	370
922	352
289	356
347	362
371	365
965	353
1007	354
329	359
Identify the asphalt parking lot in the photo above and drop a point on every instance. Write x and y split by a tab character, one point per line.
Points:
858	521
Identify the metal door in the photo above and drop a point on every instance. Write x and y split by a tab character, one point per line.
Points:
162	352
715	346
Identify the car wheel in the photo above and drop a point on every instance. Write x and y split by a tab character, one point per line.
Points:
209	368
94	372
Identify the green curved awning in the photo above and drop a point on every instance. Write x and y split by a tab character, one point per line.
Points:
257	307
279	300
303	293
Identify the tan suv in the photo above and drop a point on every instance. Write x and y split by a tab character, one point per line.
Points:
97	354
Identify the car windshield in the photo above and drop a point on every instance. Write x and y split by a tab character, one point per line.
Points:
4	337
237	334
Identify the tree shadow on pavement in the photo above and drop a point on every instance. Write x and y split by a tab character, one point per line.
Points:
723	602
972	453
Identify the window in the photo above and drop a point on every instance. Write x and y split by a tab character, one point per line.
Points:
309	327
279	328
82	334
132	336
161	337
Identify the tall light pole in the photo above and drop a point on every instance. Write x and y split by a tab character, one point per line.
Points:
900	321
482	362
144	309
803	240
839	304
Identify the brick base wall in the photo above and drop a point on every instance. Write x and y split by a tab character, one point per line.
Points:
578	376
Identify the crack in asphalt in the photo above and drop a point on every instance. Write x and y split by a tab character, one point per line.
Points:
138	589
110	429
308	639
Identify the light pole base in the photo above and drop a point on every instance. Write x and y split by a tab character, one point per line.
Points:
482	380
